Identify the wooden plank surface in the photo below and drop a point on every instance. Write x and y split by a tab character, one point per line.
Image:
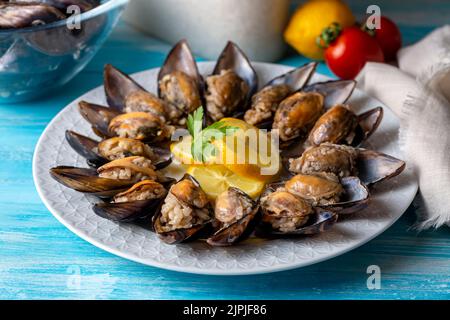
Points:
41	259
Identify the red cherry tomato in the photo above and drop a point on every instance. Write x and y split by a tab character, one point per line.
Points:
389	38
348	54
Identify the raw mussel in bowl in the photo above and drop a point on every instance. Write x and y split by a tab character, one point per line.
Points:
29	13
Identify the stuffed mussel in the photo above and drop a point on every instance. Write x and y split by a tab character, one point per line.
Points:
231	85
237	215
343	161
265	102
285	214
138	202
98	153
180	84
108	123
185	212
108	180
342	126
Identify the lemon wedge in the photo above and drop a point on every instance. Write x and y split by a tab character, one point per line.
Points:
182	150
214	179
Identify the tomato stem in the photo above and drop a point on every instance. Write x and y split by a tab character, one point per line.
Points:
328	35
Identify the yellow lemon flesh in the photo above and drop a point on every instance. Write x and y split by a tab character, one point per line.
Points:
310	19
243	159
215	179
246	152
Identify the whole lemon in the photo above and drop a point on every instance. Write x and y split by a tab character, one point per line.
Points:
310	19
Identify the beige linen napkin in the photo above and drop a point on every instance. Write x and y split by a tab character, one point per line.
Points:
419	93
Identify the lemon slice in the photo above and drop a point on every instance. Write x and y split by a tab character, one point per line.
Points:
214	179
243	154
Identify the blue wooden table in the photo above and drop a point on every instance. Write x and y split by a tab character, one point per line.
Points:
41	259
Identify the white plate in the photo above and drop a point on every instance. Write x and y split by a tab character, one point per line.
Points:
389	200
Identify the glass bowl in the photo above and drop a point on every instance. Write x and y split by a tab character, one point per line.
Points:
37	60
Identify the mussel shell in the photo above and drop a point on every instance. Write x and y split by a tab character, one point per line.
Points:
296	78
374	167
84	5
233	58
118	86
182	234
334	91
180	58
368	123
164	158
87	181
355	198
98	116
24	15
237	231
85	147
127	211
320	221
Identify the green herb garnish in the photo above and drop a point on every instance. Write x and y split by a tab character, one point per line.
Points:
202	146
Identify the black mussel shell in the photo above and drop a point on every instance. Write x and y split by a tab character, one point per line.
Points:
127	211
374	167
164	157
98	116
118	86
296	78
368	122
335	91
87	181
85	147
355	198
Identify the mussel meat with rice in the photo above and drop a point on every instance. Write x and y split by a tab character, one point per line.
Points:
319	189
297	114
185	211
332	158
225	93
284	211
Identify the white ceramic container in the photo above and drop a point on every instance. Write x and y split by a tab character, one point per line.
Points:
255	25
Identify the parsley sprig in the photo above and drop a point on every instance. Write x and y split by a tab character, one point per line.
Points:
202	146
